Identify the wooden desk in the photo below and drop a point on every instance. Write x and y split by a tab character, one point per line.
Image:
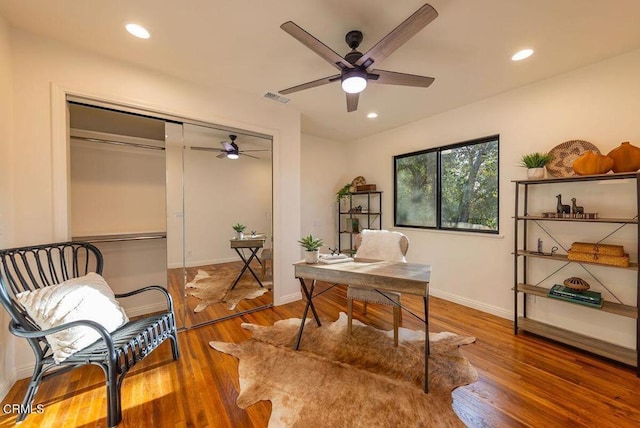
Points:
253	244
404	278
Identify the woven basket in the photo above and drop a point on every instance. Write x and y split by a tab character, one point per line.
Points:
603	259
601	249
563	155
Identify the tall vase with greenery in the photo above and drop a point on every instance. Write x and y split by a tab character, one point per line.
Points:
311	246
535	164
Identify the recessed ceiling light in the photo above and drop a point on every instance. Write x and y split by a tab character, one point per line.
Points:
372	115
520	55
138	31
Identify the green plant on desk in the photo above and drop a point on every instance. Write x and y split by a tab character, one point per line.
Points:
239	228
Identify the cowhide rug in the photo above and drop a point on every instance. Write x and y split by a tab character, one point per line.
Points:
217	288
336	380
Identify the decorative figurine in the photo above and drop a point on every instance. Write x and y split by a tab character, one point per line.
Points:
539	246
334	251
576	209
560	208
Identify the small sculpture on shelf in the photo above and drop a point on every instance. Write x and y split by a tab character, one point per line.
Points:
561	208
576	284
334	251
575	209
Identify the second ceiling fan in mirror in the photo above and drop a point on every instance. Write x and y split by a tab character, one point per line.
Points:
356	69
230	149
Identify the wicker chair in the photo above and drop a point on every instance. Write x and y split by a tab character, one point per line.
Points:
388	298
34	267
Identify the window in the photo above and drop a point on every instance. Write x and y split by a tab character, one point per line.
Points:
452	187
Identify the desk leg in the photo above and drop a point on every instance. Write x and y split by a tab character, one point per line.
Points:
254	255
246	266
427	349
308	294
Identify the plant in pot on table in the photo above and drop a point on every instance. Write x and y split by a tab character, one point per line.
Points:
239	228
535	164
311	246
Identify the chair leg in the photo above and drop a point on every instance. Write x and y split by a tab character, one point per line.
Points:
114	411
397	313
349	315
174	345
31	392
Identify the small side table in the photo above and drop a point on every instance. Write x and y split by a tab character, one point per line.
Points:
253	244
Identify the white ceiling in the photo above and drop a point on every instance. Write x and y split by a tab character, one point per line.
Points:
238	43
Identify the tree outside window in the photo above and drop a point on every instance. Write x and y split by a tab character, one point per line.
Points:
452	187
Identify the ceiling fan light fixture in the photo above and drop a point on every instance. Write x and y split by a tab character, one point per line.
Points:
372	115
354	81
138	31
232	155
522	54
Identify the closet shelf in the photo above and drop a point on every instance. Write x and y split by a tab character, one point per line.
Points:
116	237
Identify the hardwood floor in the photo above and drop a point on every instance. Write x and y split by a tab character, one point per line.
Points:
524	381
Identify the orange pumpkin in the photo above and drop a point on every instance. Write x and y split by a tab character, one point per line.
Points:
591	163
626	158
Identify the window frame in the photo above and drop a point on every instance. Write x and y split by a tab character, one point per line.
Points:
439	150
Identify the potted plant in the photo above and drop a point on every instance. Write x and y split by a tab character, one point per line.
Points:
311	246
535	164
239	228
343	192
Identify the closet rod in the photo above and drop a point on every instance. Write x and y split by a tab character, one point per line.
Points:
119	143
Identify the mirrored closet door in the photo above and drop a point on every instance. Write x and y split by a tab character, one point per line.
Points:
227	182
160	199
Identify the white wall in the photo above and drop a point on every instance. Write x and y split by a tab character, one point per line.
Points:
325	169
7	374
43	69
599	103
246	185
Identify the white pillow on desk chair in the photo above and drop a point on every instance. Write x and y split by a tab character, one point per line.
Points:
381	245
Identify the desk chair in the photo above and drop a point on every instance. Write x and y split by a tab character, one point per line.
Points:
381	245
266	256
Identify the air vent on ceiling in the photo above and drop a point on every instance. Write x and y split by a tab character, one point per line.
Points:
276	97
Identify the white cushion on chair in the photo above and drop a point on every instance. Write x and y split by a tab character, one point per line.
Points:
381	245
84	298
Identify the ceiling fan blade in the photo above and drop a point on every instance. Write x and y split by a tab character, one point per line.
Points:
244	154
352	102
399	36
222	155
404	79
256	150
315	45
206	149
309	85
227	146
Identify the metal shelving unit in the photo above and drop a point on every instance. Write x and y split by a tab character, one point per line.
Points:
369	218
521	254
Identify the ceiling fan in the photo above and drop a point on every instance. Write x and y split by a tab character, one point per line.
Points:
356	69
230	149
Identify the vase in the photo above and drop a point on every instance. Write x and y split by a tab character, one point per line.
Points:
626	158
535	173
312	256
239	235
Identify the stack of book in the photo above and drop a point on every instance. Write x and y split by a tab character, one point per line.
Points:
588	298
